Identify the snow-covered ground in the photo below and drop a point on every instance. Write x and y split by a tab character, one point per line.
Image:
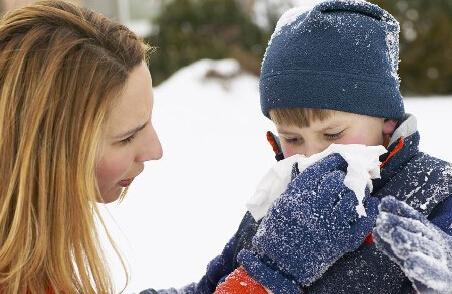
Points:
183	209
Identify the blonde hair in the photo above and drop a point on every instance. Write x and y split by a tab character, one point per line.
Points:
300	117
61	68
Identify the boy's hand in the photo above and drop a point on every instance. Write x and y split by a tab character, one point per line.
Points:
311	225
422	250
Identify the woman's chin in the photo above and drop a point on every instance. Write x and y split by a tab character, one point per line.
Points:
112	195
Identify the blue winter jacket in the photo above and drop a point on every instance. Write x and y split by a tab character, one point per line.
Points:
421	180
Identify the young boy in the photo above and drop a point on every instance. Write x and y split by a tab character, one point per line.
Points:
330	76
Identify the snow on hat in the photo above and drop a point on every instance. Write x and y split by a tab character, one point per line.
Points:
339	55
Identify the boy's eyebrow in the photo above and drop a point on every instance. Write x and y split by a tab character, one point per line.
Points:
285	132
132	131
330	127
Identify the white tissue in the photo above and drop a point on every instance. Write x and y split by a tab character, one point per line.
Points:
363	166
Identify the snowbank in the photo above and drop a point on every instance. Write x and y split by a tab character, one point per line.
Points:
182	210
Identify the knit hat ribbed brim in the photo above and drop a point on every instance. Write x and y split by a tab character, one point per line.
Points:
340	55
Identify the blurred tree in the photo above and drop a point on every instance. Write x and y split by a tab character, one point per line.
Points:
188	30
426	44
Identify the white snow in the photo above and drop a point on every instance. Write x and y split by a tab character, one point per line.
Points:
290	16
277	7
392	42
363	166
181	211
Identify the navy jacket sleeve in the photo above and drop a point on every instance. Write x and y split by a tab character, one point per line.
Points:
441	216
218	268
222	265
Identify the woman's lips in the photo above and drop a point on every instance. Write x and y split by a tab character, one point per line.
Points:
125	183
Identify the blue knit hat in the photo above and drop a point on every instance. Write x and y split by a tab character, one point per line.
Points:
340	55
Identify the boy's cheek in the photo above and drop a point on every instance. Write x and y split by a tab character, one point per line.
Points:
289	150
353	140
364	139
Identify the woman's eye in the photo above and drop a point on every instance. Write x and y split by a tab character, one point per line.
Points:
334	136
128	140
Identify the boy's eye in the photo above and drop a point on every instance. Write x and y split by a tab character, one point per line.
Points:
128	140
292	140
334	136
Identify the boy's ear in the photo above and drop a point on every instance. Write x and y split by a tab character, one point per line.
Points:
389	126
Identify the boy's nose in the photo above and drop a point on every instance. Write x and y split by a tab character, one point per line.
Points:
309	152
311	149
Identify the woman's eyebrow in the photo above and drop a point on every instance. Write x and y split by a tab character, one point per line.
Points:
132	131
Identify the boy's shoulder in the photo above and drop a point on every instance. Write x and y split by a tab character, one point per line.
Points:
431	163
435	188
423	182
427	170
432	168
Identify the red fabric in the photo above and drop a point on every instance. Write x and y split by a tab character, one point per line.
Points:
396	149
272	141
369	239
239	282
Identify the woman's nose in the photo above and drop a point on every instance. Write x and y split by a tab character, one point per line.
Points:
151	148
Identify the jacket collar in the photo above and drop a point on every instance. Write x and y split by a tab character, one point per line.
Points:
405	129
403	146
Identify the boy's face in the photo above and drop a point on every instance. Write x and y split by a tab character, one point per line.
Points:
340	128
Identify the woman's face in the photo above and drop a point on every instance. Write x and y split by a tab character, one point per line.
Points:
129	138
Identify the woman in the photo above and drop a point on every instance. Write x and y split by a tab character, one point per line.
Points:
75	103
